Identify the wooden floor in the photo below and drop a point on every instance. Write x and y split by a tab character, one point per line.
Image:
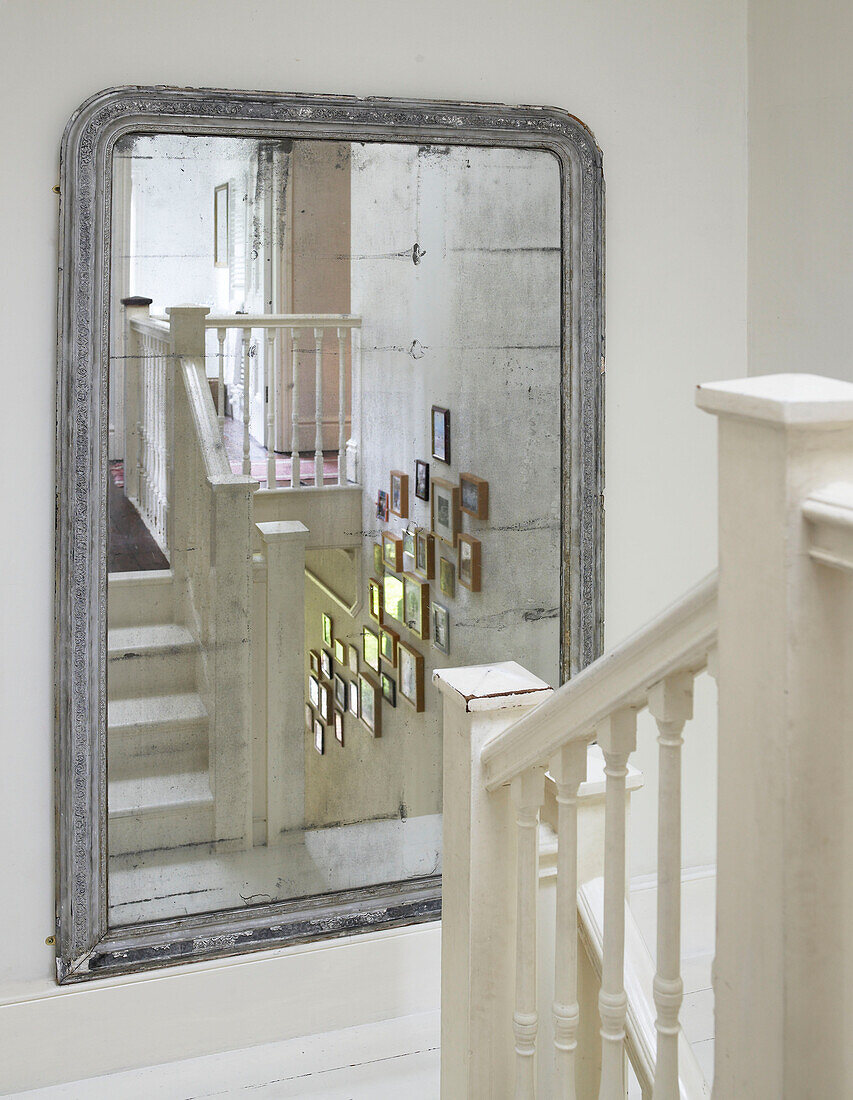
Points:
391	1060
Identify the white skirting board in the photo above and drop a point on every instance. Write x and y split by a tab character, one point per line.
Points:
62	1034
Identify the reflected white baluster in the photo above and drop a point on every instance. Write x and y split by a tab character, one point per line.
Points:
270	370
671	704
247	339
617	736
318	408
294	409
342	407
221	333
527	792
140	420
568	769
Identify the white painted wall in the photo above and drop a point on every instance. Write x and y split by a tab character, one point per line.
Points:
663	87
801	161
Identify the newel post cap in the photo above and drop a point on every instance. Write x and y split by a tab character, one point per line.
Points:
288	530
491	687
781	400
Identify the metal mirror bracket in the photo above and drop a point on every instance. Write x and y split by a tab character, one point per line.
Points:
86	947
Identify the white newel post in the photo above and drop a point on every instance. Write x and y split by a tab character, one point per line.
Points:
284	545
784	960
479	882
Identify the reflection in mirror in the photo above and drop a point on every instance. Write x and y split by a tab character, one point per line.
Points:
334	466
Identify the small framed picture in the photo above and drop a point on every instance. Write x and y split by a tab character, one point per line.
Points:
441	434
424	554
309	718
325	707
339	727
352	659
327	630
388	640
421	479
468	565
378	560
371	710
411	676
444	510
319	734
326	664
314	691
392	552
374	599
370	648
340	686
352	698
447	577
400	494
340	652
475	496
389	689
409	549
382	505
314	661
416	604
440	619
392	597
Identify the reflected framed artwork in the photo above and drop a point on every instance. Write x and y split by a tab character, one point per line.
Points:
447	577
352	659
440	620
371	709
374	599
400	494
340	686
411	675
444	510
474	496
325	704
319	736
392	551
314	691
370	648
468	565
389	689
327	629
416	604
326	664
392	597
352	698
339	727
341	652
378	560
421	479
441	434
314	661
388	640
424	554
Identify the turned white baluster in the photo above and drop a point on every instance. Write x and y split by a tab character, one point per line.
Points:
527	792
270	370
568	769
294	409
221	333
318	408
671	704
146	455
247	400
617	736
342	407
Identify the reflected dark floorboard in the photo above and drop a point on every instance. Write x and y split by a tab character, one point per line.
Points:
131	546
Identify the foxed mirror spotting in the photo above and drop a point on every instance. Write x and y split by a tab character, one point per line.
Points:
239	277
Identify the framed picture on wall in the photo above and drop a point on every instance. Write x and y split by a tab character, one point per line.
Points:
440	621
327	630
424	554
325	707
475	496
392	597
445	510
389	689
340	652
468	565
421	479
314	661
378	560
409	549
441	434
416	605
382	505
340	685
371	708
319	735
400	494
392	552
314	691
339	727
370	648
388	640
352	659
374	599
326	664
220	226
410	677
352	698
447	577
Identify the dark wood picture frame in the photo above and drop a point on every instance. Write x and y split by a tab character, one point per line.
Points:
440	490
424	554
421	479
440	418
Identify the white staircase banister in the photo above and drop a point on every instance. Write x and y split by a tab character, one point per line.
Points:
282	320
678	640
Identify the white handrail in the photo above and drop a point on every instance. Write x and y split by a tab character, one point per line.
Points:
677	640
282	320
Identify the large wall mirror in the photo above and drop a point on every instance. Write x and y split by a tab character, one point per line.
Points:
329	418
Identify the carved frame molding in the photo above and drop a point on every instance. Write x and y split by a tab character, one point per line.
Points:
86	946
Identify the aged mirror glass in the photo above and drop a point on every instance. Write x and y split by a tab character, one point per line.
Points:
329	419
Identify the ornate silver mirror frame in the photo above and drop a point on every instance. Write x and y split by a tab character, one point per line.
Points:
86	947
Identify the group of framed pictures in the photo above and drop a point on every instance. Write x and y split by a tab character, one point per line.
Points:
385	652
337	687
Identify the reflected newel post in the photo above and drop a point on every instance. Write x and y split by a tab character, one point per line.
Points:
342	406
284	548
294	409
247	398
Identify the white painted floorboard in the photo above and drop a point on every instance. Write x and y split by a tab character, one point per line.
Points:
382	1061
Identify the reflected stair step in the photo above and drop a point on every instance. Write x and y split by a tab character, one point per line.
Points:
159	793
160	812
151	638
161	712
150	660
